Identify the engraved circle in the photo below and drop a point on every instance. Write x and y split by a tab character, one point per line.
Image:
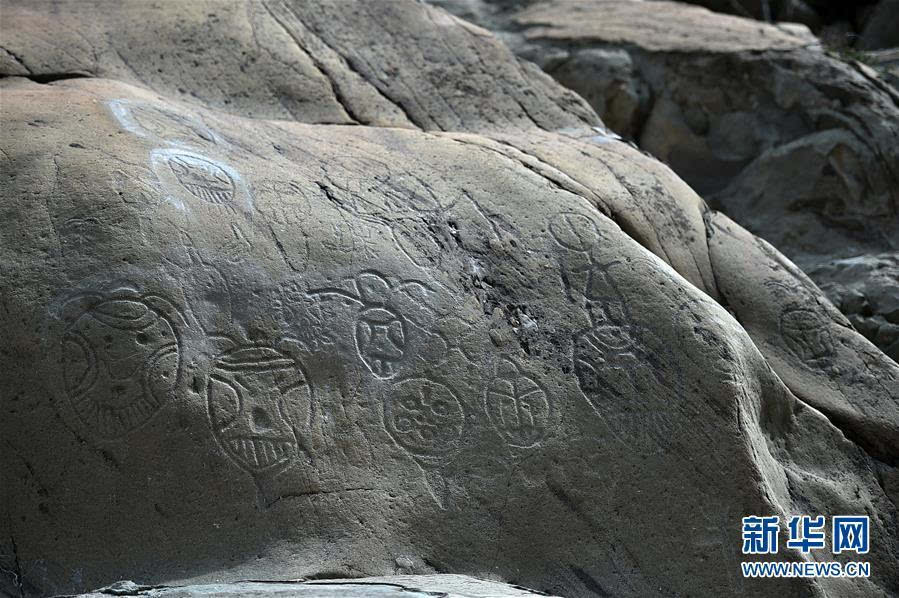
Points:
517	407
258	398
424	417
806	334
202	178
121	361
574	231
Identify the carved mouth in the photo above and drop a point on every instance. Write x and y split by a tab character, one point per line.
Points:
210	194
261	452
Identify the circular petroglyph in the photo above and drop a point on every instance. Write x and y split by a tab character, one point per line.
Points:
424	417
806	334
258	398
202	178
574	231
121	361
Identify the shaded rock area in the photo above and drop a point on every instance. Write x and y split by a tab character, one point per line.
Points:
394	586
866	289
332	289
792	141
865	24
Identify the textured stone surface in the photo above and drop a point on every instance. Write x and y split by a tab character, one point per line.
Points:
393	586
866	289
329	62
794	144
239	348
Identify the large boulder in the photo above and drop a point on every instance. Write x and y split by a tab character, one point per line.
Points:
243	347
791	141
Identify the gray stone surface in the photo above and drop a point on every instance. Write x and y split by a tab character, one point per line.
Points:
794	143
241	347
866	289
330	62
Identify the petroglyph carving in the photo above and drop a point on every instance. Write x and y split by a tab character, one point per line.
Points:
807	334
80	231
207	290
167	125
574	231
424	417
610	357
188	177
202	178
577	235
259	398
382	327
310	321
407	191
617	372
517	406
121	359
286	202
146	120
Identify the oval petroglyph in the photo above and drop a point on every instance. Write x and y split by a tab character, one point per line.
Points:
147	120
574	231
807	334
517	406
121	361
424	417
189	176
384	319
202	178
258	398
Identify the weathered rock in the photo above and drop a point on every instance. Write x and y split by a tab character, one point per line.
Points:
866	289
245	348
794	144
393	586
330	62
887	63
816	14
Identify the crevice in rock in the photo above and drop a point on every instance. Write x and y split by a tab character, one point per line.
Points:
317	493
402	587
17	567
45	78
545	171
17	58
349	66
709	231
319	65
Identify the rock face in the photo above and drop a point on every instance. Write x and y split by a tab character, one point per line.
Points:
866	24
801	148
393	586
866	289
243	347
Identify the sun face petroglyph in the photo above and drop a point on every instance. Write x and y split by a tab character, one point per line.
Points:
258	397
121	361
